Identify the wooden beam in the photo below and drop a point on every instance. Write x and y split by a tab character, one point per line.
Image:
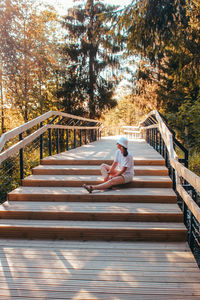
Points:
72	127
16	131
188	175
195	209
14	149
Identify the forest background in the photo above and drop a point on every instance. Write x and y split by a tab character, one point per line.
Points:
103	61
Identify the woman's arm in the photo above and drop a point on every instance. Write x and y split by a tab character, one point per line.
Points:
120	172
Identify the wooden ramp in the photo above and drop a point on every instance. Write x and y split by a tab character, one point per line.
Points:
59	242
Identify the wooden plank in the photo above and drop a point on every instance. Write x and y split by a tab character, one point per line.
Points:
72	127
59	160
72	259
114	246
77	194
79	180
195	209
92	211
83	294
93	170
127	287
15	148
188	175
91	233
128	276
92	224
165	133
91	207
96	288
16	131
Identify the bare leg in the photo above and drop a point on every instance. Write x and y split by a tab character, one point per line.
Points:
106	185
104	168
104	171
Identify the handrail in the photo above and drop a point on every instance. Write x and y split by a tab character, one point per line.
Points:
18	130
185	182
92	129
166	134
15	148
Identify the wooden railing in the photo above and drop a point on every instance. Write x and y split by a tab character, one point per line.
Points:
70	131
132	132
185	183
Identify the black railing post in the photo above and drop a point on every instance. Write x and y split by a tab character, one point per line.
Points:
186	158
163	150
173	174
85	136
74	138
190	231
50	142
92	135
21	159
89	135
153	132
67	139
156	134
149	136
57	140
160	142
80	137
41	143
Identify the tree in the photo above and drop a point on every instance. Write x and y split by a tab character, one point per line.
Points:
89	83
165	34
28	53
125	113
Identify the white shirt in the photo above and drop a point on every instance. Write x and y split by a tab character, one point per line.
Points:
125	161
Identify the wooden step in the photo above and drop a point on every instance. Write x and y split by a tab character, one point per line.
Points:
92	230
77	194
147	212
75	181
59	161
94	170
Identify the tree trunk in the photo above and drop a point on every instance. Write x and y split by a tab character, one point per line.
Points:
91	61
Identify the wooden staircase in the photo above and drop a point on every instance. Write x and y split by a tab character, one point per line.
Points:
57	241
51	204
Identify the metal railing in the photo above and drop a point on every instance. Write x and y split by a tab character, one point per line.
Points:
186	184
53	132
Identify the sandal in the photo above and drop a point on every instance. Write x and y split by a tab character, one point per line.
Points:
88	188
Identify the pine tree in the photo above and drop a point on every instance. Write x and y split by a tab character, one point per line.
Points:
90	55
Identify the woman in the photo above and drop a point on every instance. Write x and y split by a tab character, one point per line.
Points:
113	176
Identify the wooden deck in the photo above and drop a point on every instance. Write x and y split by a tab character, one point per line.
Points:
59	242
97	270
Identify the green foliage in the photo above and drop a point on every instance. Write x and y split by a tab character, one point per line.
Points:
9	177
28	59
125	113
194	162
90	54
166	36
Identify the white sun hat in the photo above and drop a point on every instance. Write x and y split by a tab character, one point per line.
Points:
123	141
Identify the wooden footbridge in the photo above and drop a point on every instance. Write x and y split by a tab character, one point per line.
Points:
59	242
